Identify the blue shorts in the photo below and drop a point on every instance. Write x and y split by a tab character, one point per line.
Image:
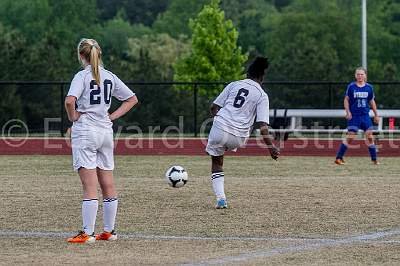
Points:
357	122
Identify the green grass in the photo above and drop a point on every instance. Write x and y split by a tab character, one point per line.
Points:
293	197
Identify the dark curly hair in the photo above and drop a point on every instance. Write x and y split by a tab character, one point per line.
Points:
257	68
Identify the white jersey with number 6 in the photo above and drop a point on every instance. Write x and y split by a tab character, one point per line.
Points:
241	103
95	100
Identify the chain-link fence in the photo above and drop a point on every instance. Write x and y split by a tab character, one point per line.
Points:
164	108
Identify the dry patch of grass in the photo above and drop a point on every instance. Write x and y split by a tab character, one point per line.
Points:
357	254
294	197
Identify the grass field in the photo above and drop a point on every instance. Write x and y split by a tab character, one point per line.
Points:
296	211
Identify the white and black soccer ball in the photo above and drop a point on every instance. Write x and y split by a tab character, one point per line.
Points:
176	176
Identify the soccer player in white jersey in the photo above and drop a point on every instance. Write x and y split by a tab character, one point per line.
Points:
235	110
92	137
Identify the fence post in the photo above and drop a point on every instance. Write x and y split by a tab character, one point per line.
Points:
62	109
330	101
195	109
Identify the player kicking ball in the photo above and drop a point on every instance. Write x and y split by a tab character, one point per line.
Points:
92	137
241	104
358	100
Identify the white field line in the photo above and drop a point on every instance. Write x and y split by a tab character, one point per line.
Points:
303	244
396	242
222	238
298	248
37	234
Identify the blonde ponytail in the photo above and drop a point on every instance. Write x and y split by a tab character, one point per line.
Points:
90	51
94	62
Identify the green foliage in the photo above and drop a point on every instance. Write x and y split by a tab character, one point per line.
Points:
215	55
48	30
30	17
10	105
175	20
12	44
310	40
137	11
384	40
160	50
279	4
248	17
43	34
116	32
308	45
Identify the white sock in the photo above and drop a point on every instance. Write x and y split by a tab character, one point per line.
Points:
89	212
218	184
110	206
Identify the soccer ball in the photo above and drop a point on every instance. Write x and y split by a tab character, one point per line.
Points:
176	176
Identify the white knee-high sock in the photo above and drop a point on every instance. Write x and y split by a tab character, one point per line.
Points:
218	184
89	212
110	206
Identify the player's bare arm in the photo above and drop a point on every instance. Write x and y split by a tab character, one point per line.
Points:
214	109
372	104
124	108
73	115
347	107
273	150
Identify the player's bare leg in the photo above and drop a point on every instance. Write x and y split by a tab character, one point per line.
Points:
110	204
371	146
350	137
217	163
90	205
217	178
106	180
89	182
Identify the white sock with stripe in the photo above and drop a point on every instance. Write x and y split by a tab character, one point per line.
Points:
110	206
218	184
89	213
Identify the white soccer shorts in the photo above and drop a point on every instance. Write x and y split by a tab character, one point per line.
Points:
220	141
92	147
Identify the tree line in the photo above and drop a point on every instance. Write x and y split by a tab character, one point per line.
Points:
169	40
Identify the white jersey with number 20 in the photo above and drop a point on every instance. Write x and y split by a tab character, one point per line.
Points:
95	100
242	103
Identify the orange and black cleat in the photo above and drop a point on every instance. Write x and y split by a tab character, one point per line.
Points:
108	236
82	238
340	161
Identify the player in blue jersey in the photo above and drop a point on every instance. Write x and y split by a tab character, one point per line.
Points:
358	100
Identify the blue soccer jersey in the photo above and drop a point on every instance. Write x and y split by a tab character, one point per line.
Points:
359	98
